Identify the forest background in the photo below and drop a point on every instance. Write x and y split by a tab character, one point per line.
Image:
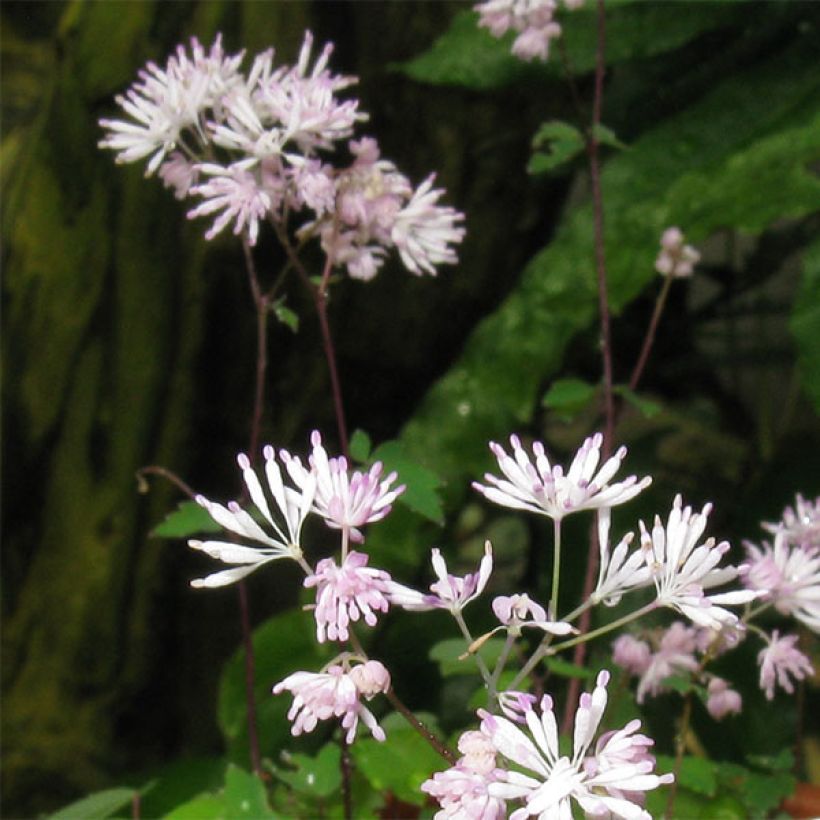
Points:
127	341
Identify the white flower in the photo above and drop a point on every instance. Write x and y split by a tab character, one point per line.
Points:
606	783
346	501
675	259
513	612
423	232
449	591
237	192
788	576
617	573
291	509
543	488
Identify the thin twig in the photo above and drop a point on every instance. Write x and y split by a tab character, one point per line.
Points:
419	726
155	469
345	766
250	677
260	302
680	748
649	339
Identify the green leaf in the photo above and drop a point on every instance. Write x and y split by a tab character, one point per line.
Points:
783	761
681	684
448	652
318	776
360	446
203	807
180	781
421	493
567	397
187	519
647	408
243	796
400	764
97	806
282	645
285	315
695	773
606	136
805	324
562	142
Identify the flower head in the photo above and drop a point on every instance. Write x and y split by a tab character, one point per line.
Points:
291	507
682	570
345	594
346	501
516	611
675	258
779	660
449	591
800	524
335	693
544	488
722	700
605	782
788	576
619	571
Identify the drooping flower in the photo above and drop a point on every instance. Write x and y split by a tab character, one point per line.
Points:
532	19
543	488
462	790
291	509
631	654
788	576
683	570
606	782
779	660
345	594
722	700
346	501
449	591
800	524
675	655
335	693
675	258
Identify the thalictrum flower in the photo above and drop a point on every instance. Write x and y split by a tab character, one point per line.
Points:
345	594
605	782
544	488
675	258
780	660
449	591
291	509
800	524
345	500
682	570
620	570
335	693
721	700
517	611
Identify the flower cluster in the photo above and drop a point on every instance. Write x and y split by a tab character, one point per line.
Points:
532	20
676	259
256	148
608	779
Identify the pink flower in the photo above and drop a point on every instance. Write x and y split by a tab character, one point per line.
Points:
449	591
722	700
346	501
178	174
515	705
423	231
236	192
513	611
335	693
788	576
683	570
286	519
631	654
543	488
675	655
345	594
676	259
608	782
778	661
464	794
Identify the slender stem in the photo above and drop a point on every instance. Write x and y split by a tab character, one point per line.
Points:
154	469
606	338
602	630
345	542
556	569
260	302
492	689
135	806
482	666
680	748
649	339
346	768
419	726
